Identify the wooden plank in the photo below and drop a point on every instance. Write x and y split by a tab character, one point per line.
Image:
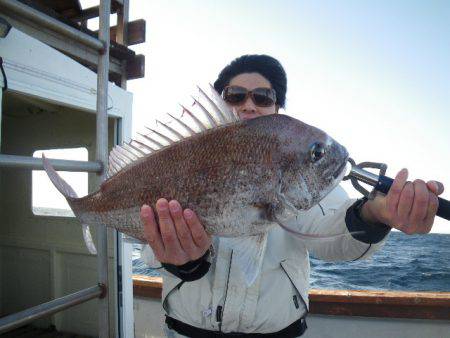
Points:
121	36
381	304
150	287
136	67
90	13
135	32
380	310
381	297
120	31
390	304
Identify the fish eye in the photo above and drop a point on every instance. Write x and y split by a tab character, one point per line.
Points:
317	151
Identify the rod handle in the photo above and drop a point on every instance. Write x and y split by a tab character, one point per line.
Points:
384	184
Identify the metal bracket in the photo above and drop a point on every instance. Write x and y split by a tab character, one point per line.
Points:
382	167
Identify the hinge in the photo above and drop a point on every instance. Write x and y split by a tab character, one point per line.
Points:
119	278
119	285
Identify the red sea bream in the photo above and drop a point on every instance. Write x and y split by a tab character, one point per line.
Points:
240	177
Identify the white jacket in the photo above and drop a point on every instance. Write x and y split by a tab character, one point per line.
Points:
268	305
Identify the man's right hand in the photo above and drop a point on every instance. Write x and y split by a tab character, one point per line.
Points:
179	238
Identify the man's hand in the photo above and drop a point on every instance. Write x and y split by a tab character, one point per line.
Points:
409	206
179	238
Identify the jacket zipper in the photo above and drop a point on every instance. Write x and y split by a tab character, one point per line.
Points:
295	298
219	313
220	309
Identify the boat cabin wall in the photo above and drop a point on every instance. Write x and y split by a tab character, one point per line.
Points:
149	321
44	257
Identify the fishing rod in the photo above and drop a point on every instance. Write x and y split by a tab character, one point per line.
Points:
382	183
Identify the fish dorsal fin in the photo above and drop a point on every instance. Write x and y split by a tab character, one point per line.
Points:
207	111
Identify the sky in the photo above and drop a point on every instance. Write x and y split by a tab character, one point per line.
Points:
375	75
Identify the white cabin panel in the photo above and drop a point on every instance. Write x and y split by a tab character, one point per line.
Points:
34	69
28	270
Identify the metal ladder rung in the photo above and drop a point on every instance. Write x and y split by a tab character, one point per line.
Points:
42	310
28	162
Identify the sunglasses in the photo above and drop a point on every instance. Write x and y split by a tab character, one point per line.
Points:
261	97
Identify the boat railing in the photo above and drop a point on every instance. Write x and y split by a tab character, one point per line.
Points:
360	303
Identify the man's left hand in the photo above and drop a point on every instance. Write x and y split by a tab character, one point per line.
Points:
409	206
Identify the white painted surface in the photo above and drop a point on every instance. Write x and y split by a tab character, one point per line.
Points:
33	68
364	327
127	320
149	317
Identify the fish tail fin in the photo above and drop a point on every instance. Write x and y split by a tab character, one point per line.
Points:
67	191
62	186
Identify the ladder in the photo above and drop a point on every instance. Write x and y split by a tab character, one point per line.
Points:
93	51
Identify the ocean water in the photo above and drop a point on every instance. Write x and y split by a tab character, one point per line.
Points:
406	263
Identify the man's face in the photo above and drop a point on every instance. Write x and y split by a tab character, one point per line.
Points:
247	109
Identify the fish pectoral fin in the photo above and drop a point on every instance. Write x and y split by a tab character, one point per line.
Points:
267	210
248	253
88	239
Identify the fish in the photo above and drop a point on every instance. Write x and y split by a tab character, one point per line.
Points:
241	177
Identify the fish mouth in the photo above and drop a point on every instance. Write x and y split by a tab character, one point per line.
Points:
340	169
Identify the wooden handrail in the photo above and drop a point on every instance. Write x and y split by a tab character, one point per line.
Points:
381	297
365	303
150	287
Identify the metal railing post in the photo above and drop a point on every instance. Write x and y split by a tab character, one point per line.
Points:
102	156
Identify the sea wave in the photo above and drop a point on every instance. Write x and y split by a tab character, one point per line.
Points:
406	263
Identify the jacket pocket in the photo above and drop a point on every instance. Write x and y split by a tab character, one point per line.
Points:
300	281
